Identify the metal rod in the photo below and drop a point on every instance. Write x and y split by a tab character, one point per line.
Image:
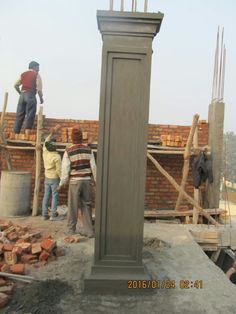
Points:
214	78
145	5
135	5
223	75
132	9
111	5
217	63
221	63
122	5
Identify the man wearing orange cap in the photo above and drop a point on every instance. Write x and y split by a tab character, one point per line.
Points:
77	169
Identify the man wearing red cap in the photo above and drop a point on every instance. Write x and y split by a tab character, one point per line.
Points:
77	169
31	84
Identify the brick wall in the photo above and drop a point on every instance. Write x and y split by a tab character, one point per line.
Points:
159	193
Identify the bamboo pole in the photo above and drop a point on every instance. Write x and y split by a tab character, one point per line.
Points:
3	140
187	154
178	188
38	162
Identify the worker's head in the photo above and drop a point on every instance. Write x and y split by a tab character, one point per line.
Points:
33	65
76	135
51	145
232	278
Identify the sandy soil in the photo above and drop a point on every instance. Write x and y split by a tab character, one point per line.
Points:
173	256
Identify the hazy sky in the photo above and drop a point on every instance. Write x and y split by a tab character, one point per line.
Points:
62	35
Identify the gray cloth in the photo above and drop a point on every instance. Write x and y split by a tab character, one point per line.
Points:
27	106
80	190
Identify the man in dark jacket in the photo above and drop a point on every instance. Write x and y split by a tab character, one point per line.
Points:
31	84
201	169
77	168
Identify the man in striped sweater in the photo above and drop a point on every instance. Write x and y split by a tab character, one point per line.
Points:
77	169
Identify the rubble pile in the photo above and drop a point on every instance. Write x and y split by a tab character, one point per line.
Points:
20	247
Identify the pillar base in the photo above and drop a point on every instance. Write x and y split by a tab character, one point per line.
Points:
105	280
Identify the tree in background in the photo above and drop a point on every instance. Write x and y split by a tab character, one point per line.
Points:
229	157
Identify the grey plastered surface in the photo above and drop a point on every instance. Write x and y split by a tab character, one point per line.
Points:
216	129
124	108
178	258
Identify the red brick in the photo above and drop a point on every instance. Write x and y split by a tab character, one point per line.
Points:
10	258
27	258
26	247
44	256
18	250
48	245
13	236
36	248
18	269
8	247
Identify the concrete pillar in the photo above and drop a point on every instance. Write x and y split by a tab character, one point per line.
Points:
124	107
216	130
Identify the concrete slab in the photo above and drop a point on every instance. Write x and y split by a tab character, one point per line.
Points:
170	254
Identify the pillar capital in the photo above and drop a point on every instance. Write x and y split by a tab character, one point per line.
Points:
129	23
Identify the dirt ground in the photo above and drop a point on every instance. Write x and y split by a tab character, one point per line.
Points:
169	253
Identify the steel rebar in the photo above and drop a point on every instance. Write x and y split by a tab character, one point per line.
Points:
145	5
111	5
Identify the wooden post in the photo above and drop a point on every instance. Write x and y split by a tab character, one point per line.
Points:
4	107
178	188
2	137
196	191
38	162
187	159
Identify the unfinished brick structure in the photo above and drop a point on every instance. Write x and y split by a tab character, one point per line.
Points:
159	193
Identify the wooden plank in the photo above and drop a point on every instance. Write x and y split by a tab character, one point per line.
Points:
174	213
204	241
38	162
17	147
205	234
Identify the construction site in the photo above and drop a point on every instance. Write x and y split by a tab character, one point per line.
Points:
164	239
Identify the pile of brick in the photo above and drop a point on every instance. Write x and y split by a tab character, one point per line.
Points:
172	140
63	136
21	137
19	248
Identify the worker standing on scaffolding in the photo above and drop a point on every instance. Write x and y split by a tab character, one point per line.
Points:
31	84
